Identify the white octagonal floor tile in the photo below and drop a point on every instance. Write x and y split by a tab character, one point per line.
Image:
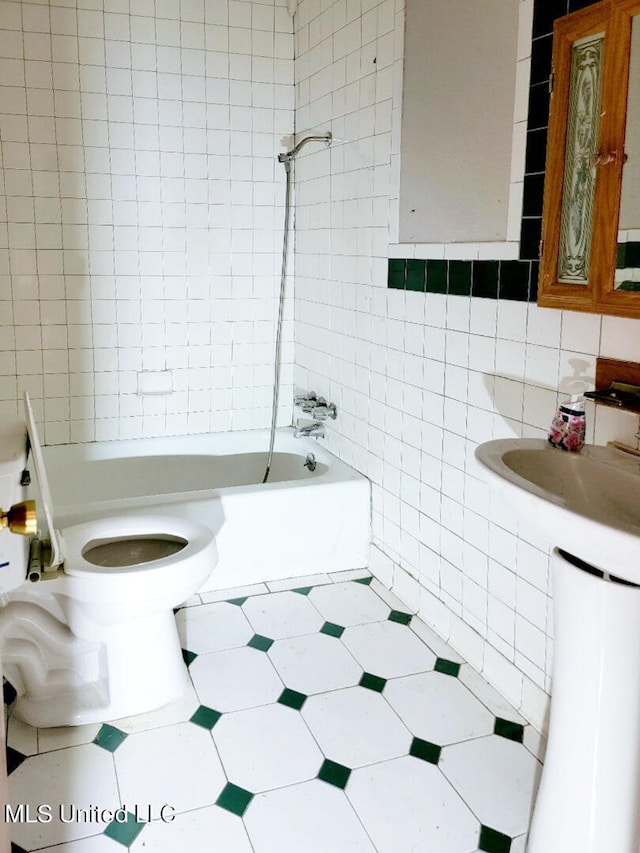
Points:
314	663
498	779
213	627
312	817
177	765
349	603
235	679
388	649
406	804
438	708
356	726
95	844
266	747
80	776
196	831
282	614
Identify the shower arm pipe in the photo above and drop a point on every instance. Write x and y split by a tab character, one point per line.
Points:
287	157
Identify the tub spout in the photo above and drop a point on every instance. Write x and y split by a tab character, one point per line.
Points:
309	429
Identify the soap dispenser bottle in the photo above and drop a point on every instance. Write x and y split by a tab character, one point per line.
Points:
568	426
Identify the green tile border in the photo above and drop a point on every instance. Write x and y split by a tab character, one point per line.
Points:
488	279
365	581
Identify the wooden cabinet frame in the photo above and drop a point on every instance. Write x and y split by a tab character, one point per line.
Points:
614	18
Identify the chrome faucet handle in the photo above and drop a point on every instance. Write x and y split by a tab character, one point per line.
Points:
306	397
321	413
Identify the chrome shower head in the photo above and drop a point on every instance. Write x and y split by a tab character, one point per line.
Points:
287	157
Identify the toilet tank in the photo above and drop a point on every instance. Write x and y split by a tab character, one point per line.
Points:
14	549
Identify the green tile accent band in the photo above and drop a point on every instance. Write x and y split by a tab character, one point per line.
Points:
332	630
292	699
334	773
234	799
513	280
628	255
124	833
372	682
263	644
425	751
492	841
109	737
628	285
400	617
447	667
416	275
188	657
205	717
512	731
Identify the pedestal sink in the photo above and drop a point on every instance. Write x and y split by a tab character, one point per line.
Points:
588	504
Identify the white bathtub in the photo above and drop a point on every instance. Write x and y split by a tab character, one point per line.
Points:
300	522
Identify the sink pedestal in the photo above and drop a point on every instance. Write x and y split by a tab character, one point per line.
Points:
589	797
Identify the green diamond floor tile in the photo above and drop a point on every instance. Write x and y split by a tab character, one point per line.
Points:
303	590
400	617
234	799
332	630
447	667
263	644
365	581
237	601
205	717
492	841
512	731
109	737
14	759
372	682
334	773
424	750
188	657
124	833
292	699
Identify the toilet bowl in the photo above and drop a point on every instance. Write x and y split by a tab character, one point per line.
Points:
95	638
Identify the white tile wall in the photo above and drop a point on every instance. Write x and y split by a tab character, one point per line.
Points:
421	379
141	212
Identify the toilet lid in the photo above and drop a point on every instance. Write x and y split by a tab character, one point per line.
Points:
43	482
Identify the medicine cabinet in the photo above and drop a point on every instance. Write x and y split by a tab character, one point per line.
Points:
590	249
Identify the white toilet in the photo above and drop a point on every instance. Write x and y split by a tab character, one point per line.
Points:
94	639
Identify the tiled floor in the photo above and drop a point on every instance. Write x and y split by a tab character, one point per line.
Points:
324	719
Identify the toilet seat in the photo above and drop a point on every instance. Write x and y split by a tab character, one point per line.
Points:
146	579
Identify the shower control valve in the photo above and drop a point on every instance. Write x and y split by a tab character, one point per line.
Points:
324	411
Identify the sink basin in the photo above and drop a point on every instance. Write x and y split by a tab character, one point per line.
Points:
587	503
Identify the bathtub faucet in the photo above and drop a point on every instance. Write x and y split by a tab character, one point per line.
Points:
315	406
308	429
